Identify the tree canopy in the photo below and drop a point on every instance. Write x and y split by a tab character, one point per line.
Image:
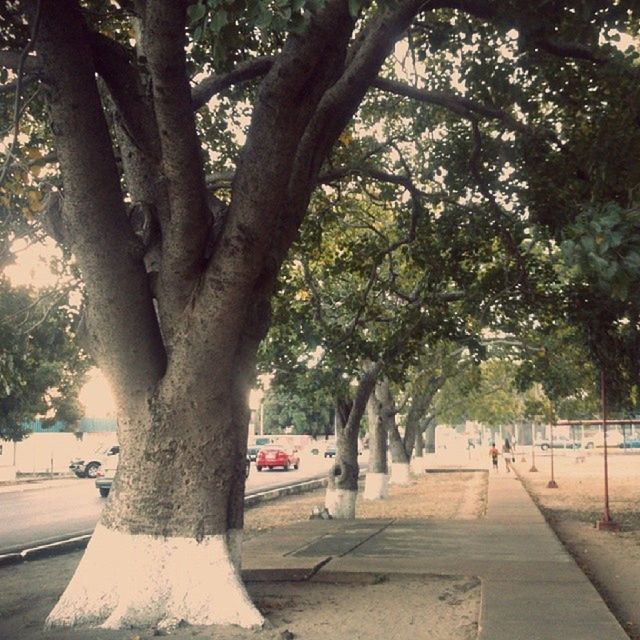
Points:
41	365
174	149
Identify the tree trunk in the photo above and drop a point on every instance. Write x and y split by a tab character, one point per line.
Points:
399	460
342	489
377	478
419	446
176	502
430	436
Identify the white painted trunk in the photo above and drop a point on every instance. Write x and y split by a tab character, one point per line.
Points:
376	486
418	465
341	503
127	580
400	473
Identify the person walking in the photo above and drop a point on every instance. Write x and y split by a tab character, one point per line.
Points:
507	454
493	452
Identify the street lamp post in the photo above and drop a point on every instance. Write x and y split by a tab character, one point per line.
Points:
552	484
607	523
533	469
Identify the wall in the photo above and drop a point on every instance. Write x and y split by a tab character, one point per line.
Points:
50	452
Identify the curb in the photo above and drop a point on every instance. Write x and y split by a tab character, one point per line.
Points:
294	489
80	542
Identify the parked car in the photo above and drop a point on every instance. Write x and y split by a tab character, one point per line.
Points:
330	451
560	443
630	443
252	451
88	467
106	473
272	457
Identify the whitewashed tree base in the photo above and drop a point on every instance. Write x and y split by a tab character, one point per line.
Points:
400	473
418	466
341	503
126	580
376	486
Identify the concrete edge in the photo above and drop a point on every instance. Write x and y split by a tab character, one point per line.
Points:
80	542
294	489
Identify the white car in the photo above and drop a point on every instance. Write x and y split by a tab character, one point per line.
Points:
88	466
105	475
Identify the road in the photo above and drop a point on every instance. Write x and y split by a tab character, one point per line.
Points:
34	514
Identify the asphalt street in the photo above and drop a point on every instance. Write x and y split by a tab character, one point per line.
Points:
39	513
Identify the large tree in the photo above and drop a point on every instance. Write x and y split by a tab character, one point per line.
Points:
178	283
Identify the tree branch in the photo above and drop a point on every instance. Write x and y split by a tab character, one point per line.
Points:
122	318
574	50
243	72
460	105
17	112
185	237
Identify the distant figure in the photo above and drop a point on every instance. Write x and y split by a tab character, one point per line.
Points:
493	452
507	454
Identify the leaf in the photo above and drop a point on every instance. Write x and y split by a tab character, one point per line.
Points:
195	13
264	18
219	20
354	8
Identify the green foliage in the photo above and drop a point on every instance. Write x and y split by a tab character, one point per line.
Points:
306	407
41	366
230	25
603	248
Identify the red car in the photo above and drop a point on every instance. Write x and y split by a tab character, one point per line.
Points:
271	457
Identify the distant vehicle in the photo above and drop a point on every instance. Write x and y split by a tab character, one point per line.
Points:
630	443
252	451
560	443
272	457
88	467
330	451
106	473
247	466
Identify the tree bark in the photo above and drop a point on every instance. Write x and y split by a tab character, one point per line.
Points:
430	436
342	489
399	460
377	478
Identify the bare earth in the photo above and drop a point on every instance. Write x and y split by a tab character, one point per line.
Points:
369	608
610	559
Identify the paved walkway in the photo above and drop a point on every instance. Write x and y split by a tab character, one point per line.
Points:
531	588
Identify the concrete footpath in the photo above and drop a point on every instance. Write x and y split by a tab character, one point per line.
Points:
531	588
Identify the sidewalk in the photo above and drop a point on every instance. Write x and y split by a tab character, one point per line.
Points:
531	588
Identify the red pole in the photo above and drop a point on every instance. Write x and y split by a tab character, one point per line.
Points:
552	484
606	522
533	447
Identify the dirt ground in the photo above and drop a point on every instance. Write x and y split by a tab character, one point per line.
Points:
436	608
610	559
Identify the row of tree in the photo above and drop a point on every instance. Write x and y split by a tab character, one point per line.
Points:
337	189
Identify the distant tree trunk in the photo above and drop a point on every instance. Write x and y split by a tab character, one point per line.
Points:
399	459
419	446
415	421
377	478
430	436
342	490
